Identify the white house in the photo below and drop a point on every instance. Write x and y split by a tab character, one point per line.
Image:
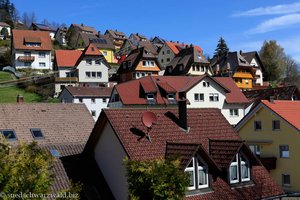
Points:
31	49
87	68
201	91
95	98
254	60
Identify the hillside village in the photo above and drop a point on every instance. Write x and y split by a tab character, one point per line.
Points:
92	98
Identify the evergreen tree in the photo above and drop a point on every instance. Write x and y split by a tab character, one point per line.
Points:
221	49
4	32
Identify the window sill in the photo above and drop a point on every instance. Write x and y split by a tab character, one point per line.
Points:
242	184
198	192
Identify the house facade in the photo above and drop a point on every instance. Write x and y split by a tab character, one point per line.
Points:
5	25
60	36
236	66
118	37
204	151
31	49
139	63
43	27
86	68
95	98
272	131
254	60
201	91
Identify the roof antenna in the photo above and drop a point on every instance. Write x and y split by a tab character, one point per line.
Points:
148	119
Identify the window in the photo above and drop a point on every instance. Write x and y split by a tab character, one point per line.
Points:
104	100
162	60
168	51
55	153
88	74
148	63
62	87
97	62
88	61
27	64
213	97
171	96
42	64
286	180
42	54
93	74
275	125
284	151
27	53
255	149
143	74
37	133
199	97
150	96
163	53
105	53
168	59
239	170
205	84
93	100
198	173
99	74
257	125
234	112
202	68
9	134
93	112
80	100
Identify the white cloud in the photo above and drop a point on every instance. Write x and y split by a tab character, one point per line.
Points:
276	23
271	10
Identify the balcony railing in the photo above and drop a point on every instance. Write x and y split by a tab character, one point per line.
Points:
66	79
26	58
269	162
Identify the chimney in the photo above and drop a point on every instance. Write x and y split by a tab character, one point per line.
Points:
20	99
241	52
182	111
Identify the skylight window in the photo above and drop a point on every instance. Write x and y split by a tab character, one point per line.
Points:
55	153
9	134
37	133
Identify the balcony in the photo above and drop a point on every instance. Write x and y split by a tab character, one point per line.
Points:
269	162
26	58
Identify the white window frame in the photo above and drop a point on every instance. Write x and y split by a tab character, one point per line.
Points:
234	112
245	163
150	96
93	100
88	62
42	64
255	149
98	62
192	169
234	164
97	74
170	96
215	97
284	151
205	169
239	162
42	55
195	168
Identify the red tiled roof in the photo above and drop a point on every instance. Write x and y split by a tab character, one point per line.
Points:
67	58
288	110
235	95
90	91
177	46
92	50
131	132
20	35
166	87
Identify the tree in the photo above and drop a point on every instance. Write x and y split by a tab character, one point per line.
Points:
4	32
273	58
26	168
292	71
222	49
156	179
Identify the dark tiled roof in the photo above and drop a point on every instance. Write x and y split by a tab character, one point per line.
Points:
186	57
100	41
90	91
82	27
43	27
253	54
116	34
167	139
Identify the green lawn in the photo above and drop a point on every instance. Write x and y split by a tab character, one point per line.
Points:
5	76
9	95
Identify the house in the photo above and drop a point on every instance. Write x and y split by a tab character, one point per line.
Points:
170	49
43	27
60	36
272	131
279	93
138	37
118	37
189	61
102	42
4	25
158	42
86	68
75	29
218	162
254	60
236	66
201	92
131	44
31	49
62	130
95	98
139	63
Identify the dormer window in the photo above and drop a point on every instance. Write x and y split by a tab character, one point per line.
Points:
150	96
171	96
239	170
198	174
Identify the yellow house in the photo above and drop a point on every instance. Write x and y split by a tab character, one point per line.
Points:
272	131
243	78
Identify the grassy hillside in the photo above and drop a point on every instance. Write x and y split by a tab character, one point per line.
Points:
9	95
5	76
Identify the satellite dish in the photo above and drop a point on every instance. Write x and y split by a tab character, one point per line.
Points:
148	119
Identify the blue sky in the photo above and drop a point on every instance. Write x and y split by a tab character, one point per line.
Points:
245	25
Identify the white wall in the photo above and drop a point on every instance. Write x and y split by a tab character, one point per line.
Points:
221	104
109	155
37	60
63	72
258	72
83	67
97	106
